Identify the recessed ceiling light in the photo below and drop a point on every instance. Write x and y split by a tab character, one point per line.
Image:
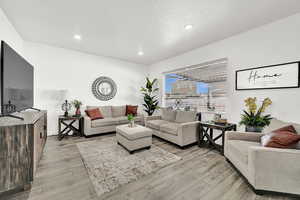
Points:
188	27
77	37
140	53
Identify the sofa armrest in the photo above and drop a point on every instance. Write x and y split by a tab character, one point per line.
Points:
247	136
149	118
274	169
188	132
87	122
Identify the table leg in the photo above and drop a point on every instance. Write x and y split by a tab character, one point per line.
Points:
211	134
59	130
81	127
234	127
223	141
200	135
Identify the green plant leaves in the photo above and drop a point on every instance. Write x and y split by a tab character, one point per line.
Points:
150	100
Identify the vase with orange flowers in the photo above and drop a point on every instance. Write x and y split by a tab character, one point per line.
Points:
253	117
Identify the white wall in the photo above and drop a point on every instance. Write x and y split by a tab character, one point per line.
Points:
9	34
65	74
275	43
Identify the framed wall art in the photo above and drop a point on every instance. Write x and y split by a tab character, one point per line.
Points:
104	88
286	75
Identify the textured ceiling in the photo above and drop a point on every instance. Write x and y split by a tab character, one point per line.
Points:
121	28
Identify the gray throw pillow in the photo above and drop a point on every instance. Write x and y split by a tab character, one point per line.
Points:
168	115
186	116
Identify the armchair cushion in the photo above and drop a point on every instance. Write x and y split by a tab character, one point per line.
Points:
240	148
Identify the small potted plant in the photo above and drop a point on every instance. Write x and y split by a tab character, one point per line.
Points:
130	118
77	105
253	118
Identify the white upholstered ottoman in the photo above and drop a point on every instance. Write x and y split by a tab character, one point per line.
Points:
134	138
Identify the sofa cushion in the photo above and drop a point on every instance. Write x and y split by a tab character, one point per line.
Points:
186	116
155	124
118	111
105	110
138	118
171	128
168	114
104	122
124	120
240	148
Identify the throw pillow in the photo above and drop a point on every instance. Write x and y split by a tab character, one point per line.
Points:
168	115
131	110
94	114
285	137
185	116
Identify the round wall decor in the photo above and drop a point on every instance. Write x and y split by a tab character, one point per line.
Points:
104	88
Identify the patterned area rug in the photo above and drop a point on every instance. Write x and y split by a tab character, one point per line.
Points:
110	166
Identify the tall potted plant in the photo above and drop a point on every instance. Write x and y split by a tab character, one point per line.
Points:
253	118
150	99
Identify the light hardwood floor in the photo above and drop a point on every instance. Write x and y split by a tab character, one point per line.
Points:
201	174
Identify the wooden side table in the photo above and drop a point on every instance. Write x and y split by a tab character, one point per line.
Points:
207	131
68	122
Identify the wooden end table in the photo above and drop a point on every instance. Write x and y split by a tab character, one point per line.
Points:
68	122
207	131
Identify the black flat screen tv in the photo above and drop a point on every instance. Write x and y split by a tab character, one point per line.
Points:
16	81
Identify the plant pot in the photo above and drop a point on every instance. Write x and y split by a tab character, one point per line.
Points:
131	123
77	113
254	129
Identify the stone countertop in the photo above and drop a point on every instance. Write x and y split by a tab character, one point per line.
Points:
30	117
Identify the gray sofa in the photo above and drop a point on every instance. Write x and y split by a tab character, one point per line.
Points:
179	127
113	116
266	169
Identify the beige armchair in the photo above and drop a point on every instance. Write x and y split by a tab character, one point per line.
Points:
266	169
